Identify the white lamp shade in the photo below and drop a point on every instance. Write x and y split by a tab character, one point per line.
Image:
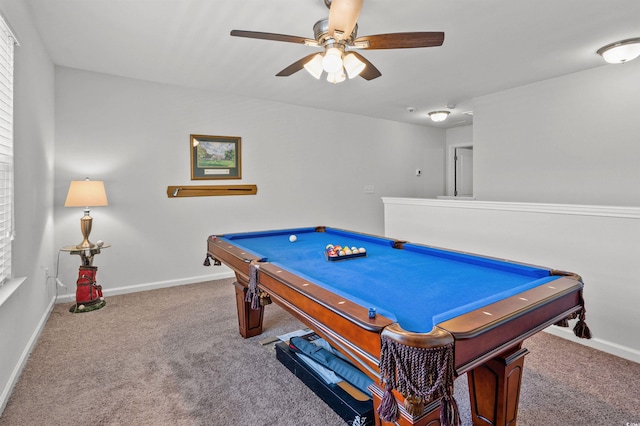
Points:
314	66
353	65
332	61
438	116
86	193
621	51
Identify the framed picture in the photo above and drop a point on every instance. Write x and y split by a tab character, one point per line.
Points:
215	157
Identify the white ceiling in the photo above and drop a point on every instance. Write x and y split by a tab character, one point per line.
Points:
490	45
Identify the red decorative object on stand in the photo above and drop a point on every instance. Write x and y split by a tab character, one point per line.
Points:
88	291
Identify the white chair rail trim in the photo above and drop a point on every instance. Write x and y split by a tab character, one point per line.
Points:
566	209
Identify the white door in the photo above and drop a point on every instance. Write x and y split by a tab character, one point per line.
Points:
463	186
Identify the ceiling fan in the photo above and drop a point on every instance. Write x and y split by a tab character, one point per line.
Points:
337	35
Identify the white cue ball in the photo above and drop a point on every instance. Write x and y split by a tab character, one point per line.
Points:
293	238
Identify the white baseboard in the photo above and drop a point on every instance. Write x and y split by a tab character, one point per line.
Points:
595	343
66	298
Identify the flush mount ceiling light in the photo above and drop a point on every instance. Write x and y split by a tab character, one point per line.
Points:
621	51
438	116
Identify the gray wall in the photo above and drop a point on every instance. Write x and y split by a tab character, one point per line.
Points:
310	167
24	312
573	140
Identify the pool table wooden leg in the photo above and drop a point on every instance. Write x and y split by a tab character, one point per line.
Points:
249	320
494	388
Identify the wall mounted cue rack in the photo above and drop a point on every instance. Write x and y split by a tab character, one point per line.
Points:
210	190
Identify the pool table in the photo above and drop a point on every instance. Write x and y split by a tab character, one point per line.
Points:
460	312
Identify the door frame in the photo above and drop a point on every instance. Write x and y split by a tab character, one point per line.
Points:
450	167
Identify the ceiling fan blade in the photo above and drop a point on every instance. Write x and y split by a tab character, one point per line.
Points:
296	66
370	72
272	36
401	40
343	16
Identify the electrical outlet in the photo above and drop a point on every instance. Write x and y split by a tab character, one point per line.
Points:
418	172
47	274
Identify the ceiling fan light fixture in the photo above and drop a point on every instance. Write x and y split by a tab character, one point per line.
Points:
438	116
336	77
353	65
314	66
621	51
332	61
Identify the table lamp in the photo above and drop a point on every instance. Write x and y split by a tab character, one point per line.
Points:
86	193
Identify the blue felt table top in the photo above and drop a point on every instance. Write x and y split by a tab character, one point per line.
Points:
417	286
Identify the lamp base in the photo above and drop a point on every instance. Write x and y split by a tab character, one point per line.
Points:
86	245
85	226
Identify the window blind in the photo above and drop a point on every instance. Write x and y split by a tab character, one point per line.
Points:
7	43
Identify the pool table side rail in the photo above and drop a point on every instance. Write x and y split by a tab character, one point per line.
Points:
339	305
486	332
348	328
481	320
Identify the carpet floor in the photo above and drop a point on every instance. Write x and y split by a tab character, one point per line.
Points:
174	357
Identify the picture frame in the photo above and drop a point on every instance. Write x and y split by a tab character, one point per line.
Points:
215	157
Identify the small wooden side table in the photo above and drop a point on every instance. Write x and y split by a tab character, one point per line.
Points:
88	291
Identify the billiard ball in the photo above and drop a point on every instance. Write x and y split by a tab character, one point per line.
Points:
293	238
362	250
